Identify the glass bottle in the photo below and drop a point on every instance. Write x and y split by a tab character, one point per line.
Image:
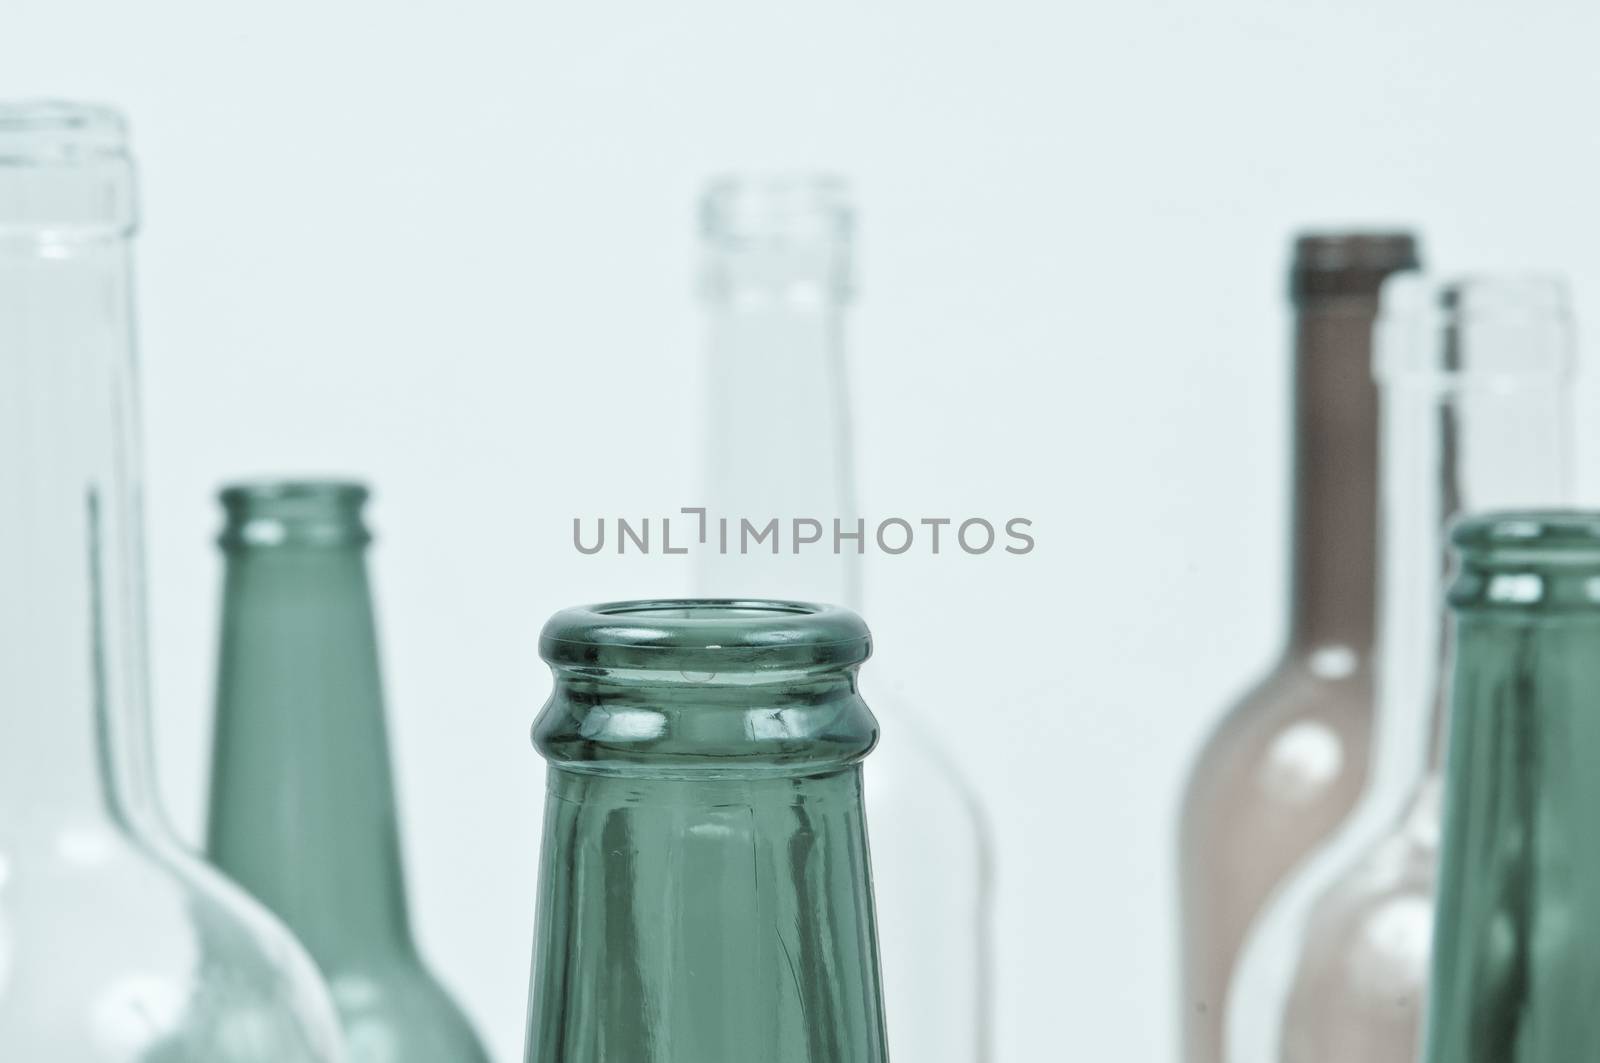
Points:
704	892
777	281
116	945
1282	770
302	800
1516	954
1475	375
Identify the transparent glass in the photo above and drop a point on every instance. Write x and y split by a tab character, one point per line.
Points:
778	281
1516	956
704	889
1476	375
1285	766
302	798
116	945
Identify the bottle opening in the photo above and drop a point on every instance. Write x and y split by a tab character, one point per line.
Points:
294	512
49	131
1485	329
708	610
1574	533
780	208
65	173
715	636
1349	263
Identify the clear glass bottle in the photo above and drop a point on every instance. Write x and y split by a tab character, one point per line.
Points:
1516	955
778	281
704	892
1475	376
116	945
1283	769
302	800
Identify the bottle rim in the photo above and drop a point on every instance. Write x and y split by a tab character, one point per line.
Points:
297	512
710	635
1550	531
772	208
60	132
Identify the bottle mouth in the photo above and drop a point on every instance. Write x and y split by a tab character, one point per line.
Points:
65	174
50	132
1495	329
1349	262
269	513
1555	533
714	636
777	209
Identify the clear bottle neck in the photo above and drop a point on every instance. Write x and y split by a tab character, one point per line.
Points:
1476	376
777	285
74	741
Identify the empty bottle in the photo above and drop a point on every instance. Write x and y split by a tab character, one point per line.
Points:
116	945
1475	375
778	281
1516	951
1284	768
704	887
302	800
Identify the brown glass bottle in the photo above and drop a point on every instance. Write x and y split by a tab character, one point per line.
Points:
1285	766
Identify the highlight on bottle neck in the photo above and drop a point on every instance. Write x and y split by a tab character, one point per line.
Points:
293	513
66	174
706	686
1344	264
777	241
1528	562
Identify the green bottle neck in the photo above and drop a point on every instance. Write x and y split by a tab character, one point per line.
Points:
303	810
1517	937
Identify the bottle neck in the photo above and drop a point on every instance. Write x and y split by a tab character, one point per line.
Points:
74	741
705	921
778	429
1476	417
302	799
1335	498
1519	899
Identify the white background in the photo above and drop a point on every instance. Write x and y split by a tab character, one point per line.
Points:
448	247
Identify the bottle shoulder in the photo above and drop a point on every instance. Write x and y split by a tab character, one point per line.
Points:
128	950
396	1011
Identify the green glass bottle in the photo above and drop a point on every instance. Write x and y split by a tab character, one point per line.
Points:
1516	956
302	803
704	892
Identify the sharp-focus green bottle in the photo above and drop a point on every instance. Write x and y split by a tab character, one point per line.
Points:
302	804
1516	958
704	890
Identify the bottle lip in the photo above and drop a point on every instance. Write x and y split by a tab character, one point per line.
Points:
1492	328
1349	262
60	132
710	635
1549	533
297	512
776	208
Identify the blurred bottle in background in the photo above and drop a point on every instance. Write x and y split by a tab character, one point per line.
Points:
1284	768
116	945
302	800
1475	375
777	280
1516	955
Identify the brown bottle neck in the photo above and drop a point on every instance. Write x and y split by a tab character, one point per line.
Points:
1333	600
